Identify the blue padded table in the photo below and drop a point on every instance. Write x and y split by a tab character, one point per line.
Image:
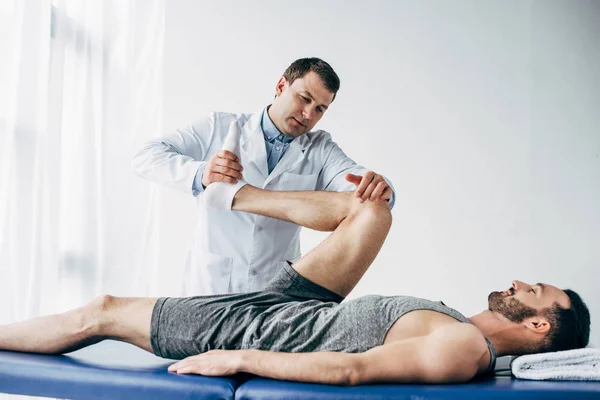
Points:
107	370
499	387
113	370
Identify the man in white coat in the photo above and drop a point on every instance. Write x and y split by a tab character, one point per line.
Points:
240	252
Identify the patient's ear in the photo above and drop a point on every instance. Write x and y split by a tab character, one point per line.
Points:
537	324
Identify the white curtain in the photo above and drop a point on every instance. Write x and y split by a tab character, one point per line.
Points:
80	89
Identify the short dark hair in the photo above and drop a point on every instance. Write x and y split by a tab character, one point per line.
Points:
570	326
302	66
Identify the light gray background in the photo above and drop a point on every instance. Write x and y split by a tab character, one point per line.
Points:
485	116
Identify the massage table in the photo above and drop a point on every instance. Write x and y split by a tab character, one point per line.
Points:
113	370
107	370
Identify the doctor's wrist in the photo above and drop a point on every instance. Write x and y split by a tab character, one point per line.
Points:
197	185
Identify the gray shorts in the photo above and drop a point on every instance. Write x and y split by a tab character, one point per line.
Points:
186	326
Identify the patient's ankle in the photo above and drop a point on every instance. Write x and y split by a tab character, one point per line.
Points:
243	194
220	195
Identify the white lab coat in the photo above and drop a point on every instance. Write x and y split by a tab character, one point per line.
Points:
235	251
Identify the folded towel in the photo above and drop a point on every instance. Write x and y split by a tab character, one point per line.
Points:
569	365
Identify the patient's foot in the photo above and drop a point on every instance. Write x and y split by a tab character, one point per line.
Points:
219	195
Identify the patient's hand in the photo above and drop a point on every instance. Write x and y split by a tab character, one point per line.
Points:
211	363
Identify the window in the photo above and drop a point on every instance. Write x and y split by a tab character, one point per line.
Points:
7	47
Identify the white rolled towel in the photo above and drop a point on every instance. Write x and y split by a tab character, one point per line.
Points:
219	195
568	365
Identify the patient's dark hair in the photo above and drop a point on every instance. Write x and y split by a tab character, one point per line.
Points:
570	326
302	66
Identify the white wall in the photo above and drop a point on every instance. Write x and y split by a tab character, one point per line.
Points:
483	114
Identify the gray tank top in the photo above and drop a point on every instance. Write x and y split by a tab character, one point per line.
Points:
353	326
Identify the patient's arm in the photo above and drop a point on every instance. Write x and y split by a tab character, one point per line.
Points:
451	354
321	367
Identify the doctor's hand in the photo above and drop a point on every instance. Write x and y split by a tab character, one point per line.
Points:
211	363
222	167
370	186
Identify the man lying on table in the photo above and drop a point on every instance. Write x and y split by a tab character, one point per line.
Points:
298	329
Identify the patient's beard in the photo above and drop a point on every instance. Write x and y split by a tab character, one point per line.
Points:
510	307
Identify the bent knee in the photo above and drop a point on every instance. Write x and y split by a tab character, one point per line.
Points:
89	318
378	210
103	303
99	308
98	313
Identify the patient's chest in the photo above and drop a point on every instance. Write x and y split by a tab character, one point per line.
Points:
417	323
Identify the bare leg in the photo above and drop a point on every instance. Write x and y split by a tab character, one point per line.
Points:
321	211
341	260
337	264
107	317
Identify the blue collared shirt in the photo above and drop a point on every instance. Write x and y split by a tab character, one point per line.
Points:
276	142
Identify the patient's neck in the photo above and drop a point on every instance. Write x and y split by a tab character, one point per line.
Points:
506	336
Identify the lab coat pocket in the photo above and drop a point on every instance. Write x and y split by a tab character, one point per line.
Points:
291	181
219	269
206	273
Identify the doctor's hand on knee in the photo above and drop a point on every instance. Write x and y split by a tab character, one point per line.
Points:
371	186
224	166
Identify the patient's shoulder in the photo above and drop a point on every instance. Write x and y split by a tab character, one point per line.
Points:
464	335
464	344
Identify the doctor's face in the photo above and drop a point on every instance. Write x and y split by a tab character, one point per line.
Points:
298	107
